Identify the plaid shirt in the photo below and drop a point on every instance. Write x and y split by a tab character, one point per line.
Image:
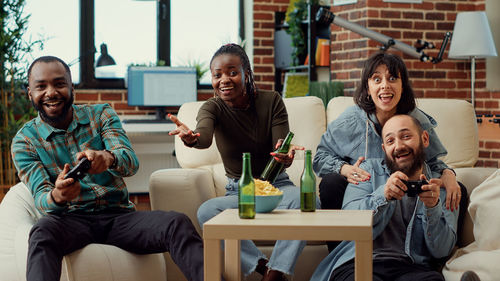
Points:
40	151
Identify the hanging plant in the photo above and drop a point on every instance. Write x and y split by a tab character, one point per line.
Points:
295	18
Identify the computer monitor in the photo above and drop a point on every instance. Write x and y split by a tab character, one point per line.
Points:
160	87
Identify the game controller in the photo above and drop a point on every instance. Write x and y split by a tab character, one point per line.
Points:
80	170
414	188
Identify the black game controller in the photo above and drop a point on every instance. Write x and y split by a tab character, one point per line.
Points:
80	170
414	187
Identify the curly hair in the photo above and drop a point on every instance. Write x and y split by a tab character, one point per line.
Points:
237	50
397	68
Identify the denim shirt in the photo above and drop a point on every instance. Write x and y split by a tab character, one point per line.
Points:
431	233
353	135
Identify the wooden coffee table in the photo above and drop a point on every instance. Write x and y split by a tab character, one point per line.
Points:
321	225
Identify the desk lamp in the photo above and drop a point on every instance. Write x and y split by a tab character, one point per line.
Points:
472	39
105	58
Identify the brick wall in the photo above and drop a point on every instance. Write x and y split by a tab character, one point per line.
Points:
405	22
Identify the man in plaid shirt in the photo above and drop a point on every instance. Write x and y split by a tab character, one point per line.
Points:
96	208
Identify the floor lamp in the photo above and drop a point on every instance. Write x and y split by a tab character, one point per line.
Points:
472	39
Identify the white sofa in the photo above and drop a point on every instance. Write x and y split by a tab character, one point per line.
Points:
95	262
202	174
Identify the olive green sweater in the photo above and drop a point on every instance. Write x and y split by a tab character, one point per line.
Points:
255	129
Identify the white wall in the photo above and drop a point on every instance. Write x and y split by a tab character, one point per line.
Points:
248	8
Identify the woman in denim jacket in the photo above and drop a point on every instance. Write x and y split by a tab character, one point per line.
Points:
354	136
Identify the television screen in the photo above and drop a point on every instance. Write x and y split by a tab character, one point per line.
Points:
161	86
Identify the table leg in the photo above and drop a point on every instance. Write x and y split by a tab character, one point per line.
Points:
232	260
363	262
212	259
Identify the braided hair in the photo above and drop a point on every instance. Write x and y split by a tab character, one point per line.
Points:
237	50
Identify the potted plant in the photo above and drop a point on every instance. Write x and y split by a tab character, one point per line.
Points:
15	107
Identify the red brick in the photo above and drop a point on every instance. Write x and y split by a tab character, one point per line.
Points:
267	25
446	26
390	14
412	35
373	14
456	94
434	16
266	34
426	5
111	97
466	7
122	106
446	6
87	97
435	74
445	84
373	23
457	75
484	154
434	94
424	25
263	16
491	104
413	15
262	52
492	145
483	95
491	164
401	24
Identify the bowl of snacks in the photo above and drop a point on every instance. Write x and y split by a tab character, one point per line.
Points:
267	197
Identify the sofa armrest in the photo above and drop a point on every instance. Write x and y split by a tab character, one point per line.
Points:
470	178
181	190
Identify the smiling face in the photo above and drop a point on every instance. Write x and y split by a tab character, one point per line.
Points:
51	93
228	80
385	90
404	143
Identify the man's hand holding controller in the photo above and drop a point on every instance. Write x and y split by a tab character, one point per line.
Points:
67	186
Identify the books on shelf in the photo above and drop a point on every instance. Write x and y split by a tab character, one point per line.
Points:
322	55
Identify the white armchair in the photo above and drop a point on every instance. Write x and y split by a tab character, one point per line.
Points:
95	262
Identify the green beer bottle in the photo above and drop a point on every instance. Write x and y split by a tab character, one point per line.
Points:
308	186
273	167
246	190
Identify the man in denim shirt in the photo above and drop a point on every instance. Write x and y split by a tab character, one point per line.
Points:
95	208
408	232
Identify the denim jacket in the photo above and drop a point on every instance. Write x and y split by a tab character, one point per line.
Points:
353	135
431	233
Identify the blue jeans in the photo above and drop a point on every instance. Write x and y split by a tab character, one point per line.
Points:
285	252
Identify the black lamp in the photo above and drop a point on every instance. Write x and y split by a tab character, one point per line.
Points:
105	59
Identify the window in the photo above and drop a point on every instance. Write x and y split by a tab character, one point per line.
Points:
139	32
60	35
186	31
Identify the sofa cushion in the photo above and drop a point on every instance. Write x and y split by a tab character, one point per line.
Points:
483	255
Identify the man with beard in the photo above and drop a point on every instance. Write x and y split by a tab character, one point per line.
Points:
96	208
409	233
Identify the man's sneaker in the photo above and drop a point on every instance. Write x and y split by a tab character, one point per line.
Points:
470	276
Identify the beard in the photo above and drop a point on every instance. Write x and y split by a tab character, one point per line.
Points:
410	168
55	119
